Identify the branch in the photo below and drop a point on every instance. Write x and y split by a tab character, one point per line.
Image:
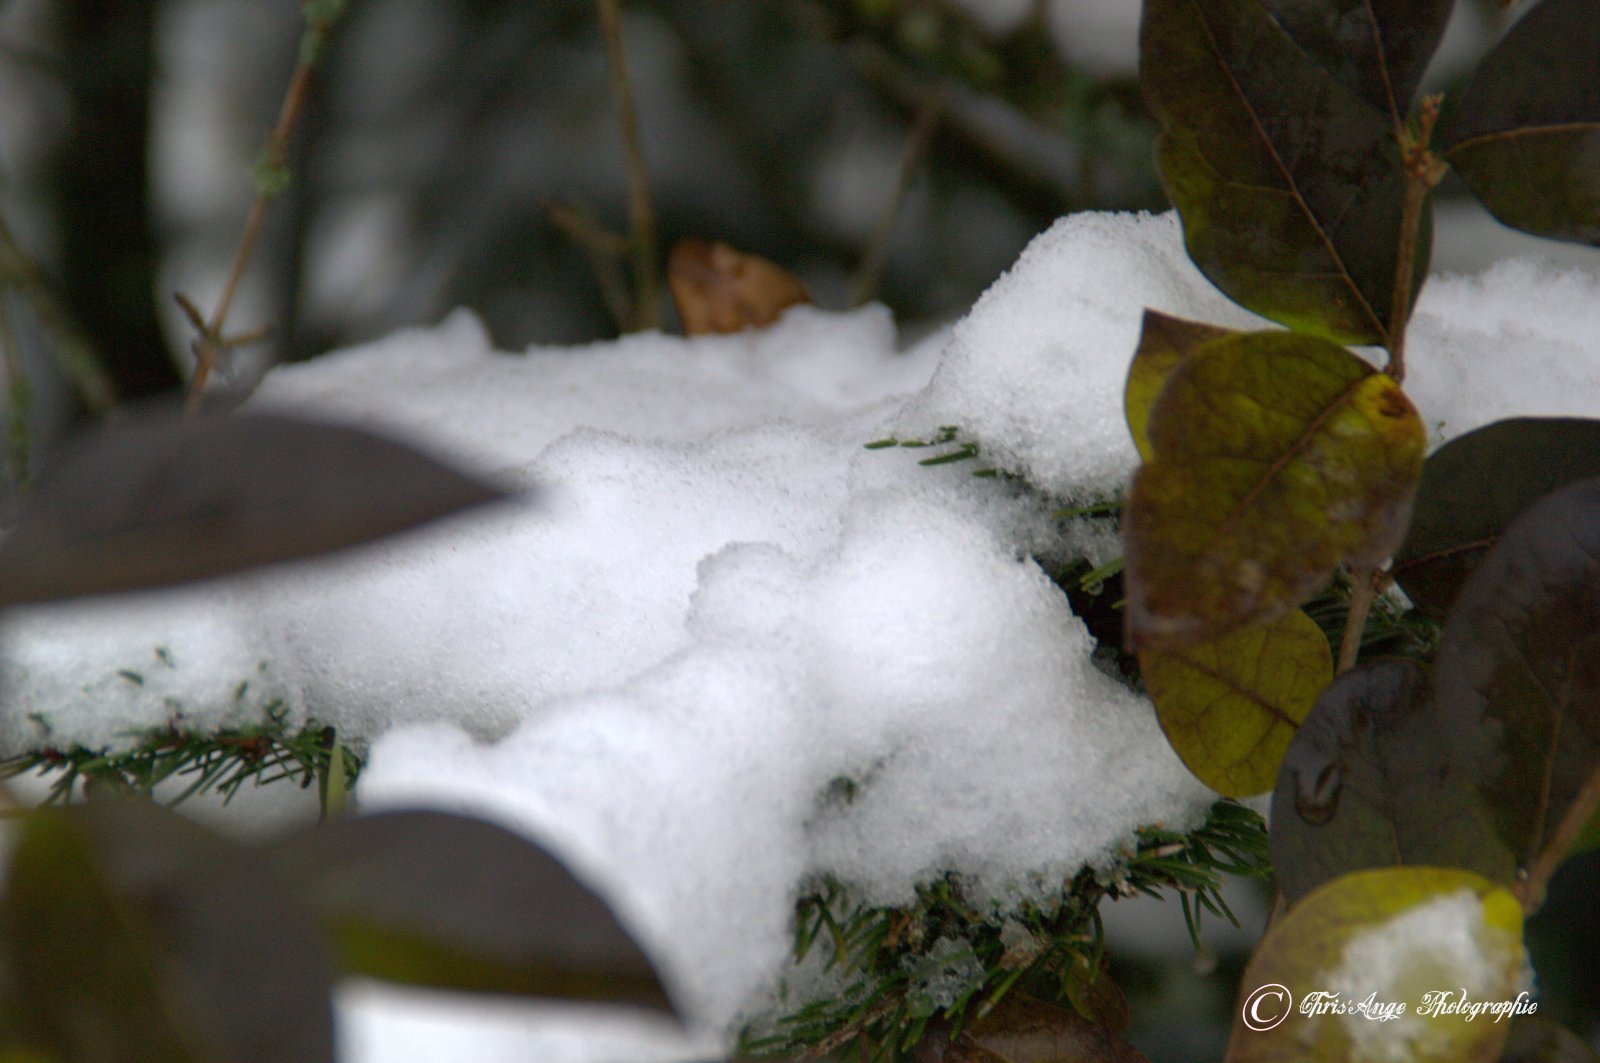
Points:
641	210
1423	171
74	354
870	271
211	346
19	395
605	250
1363	589
1536	877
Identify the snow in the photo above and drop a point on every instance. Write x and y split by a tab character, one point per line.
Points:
1519	337
386	1024
714	608
1444	944
1036	370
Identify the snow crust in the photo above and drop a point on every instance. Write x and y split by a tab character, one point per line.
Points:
1035	371
721	647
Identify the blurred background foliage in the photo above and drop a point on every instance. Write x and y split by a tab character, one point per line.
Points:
452	152
466	152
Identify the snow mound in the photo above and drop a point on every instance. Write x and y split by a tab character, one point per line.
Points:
722	647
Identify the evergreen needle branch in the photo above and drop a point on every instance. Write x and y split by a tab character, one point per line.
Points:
211	346
881	959
222	761
641	208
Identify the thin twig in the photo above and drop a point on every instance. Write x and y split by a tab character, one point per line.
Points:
76	356
212	345
1422	172
641	208
915	149
1531	889
605	250
1037	160
19	398
1363	589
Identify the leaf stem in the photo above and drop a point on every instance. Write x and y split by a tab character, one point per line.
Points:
1531	889
1423	171
641	209
1363	589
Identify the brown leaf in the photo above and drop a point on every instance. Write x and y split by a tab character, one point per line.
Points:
1022	1029
718	289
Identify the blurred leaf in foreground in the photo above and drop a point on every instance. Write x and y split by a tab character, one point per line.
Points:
142	937
435	899
154	498
1022	1029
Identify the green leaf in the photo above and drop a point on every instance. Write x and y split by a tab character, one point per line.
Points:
1535	1040
433	899
145	937
1369	782
1277	456
1390	937
1519	676
1231	706
1380	49
156	498
1164	341
1525	135
1290	183
1476	485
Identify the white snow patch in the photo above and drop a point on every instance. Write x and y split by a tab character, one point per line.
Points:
1036	370
1443	944
382	1023
716	605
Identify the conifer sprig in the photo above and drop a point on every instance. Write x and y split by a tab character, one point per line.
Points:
886	992
222	761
